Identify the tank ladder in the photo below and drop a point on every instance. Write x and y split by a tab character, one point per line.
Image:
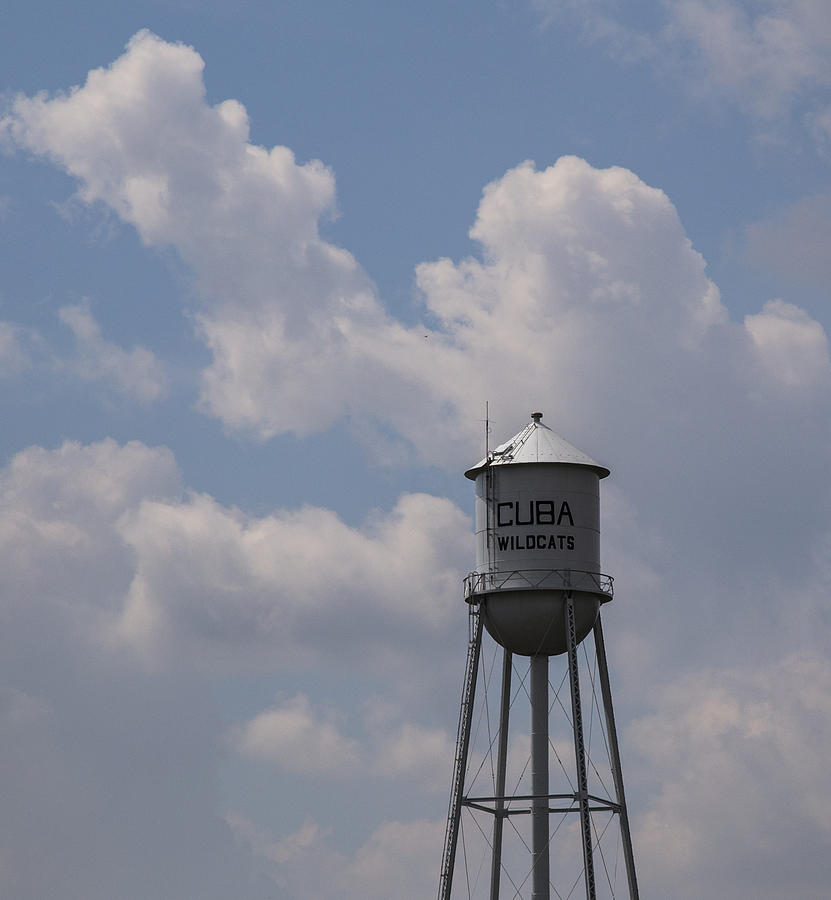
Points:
462	745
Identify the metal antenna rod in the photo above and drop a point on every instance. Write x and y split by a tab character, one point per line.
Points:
488	493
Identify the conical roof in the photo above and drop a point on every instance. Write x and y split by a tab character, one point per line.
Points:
536	443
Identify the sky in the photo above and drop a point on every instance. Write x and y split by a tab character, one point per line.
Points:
262	265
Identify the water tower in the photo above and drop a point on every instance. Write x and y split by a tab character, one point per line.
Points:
537	590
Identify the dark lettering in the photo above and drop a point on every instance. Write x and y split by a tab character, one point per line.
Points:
530	513
503	543
545	512
499	521
565	511
570	542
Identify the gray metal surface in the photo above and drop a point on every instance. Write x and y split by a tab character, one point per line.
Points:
501	768
539	779
540	804
536	443
537	518
460	763
580	752
614	751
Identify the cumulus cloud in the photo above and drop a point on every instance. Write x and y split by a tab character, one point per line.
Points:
297	334
58	512
792	346
576	265
302	739
106	533
293	582
415	750
72	548
764	57
94	743
140	138
768	55
297	739
738	756
135	372
585	299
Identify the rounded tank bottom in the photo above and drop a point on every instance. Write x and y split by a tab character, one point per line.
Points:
531	623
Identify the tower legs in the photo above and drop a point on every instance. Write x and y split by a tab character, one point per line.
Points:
540	804
454	812
614	751
539	778
501	766
582	795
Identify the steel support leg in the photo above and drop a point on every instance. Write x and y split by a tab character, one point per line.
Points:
501	764
579	750
539	778
617	772
460	765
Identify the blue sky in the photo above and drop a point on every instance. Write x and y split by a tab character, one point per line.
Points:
262	265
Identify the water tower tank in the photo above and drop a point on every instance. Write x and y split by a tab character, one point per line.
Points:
537	538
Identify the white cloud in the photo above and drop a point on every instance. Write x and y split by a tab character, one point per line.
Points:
586	300
58	509
586	286
298	739
87	733
137	371
298	337
66	575
140	138
296	582
397	862
792	347
81	484
14	356
765	57
415	750
104	534
738	759
767	54
572	258
293	848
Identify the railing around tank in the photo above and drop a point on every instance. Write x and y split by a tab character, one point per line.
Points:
477	583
